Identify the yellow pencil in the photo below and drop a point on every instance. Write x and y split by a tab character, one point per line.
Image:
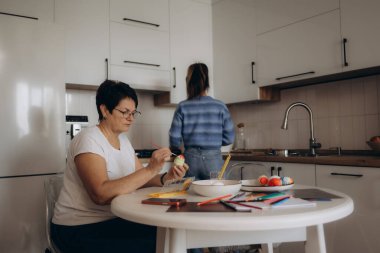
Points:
224	167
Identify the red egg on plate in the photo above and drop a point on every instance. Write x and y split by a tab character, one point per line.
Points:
275	181
263	180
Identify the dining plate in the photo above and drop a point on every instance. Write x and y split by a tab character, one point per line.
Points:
250	185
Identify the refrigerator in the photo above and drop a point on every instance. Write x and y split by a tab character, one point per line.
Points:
32	125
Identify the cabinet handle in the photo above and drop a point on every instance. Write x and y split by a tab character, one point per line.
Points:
141	22
346	174
272	170
279	169
252	64
20	16
106	68
344	52
301	74
142	63
175	78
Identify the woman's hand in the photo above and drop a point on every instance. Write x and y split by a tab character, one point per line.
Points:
158	159
177	172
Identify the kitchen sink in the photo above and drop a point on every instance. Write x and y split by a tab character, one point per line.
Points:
305	154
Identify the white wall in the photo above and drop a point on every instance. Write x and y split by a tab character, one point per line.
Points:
152	126
346	114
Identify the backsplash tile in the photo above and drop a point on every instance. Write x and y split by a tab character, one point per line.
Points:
346	114
371	125
358	99
347	130
370	95
359	132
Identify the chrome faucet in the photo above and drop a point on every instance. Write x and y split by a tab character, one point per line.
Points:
312	142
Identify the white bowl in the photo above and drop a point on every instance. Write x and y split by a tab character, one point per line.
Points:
215	188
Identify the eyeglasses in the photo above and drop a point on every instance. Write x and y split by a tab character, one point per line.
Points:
128	113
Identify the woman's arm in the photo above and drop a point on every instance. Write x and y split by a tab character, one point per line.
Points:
93	173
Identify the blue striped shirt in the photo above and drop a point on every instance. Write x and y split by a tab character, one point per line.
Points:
202	122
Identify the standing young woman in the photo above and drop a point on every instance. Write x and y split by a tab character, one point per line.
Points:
202	124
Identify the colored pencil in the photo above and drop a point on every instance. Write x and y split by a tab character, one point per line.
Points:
214	199
271	195
242	204
279	201
220	176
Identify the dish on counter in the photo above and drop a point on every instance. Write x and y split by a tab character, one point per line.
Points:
374	145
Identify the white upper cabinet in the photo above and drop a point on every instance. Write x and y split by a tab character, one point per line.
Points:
274	14
86	24
190	42
139	57
43	10
142	13
306	49
234	41
361	26
139	43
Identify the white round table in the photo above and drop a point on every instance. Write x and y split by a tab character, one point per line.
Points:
182	230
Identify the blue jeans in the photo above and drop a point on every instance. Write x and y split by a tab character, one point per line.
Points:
201	162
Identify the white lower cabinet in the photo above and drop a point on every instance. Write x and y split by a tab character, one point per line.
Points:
247	170
360	231
301	173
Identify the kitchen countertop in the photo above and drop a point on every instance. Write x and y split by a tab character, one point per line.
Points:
361	160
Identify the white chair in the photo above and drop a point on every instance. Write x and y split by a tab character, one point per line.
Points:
52	186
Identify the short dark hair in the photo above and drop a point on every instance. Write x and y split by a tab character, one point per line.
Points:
197	80
110	93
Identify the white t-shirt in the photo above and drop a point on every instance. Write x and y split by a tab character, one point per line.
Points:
74	205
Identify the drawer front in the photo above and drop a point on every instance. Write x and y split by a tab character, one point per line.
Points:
135	47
